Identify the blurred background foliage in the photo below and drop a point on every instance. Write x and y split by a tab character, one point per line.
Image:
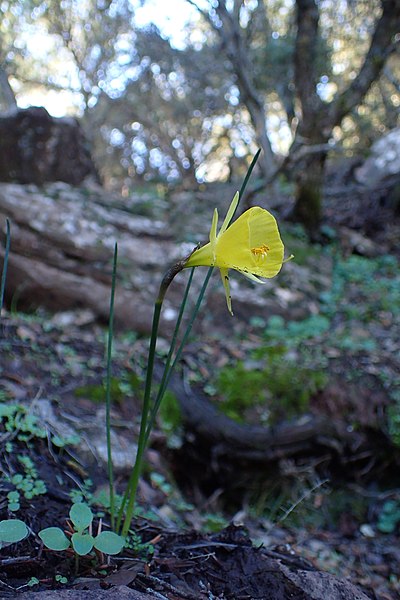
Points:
179	100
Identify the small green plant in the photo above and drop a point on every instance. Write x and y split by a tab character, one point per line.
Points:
120	387
213	522
389	518
170	413
12	531
81	538
83	494
28	482
19	420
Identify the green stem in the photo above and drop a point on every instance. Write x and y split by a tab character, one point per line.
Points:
147	423
108	390
184	339
166	376
4	273
168	370
130	494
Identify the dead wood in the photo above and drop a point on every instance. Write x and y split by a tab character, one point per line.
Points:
219	451
62	242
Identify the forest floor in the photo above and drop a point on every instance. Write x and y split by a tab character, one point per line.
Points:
332	349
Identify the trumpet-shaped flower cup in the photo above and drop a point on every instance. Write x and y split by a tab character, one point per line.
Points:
251	245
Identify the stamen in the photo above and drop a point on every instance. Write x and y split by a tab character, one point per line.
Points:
261	251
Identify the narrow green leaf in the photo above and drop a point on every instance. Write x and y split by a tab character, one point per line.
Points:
110	466
4	272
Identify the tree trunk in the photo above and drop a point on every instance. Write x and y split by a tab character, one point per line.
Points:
318	119
309	176
7	96
309	183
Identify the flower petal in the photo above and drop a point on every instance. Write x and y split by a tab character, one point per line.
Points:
213	230
230	213
252	244
225	281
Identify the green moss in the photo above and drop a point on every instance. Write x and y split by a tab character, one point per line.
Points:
128	384
277	391
308	205
170	413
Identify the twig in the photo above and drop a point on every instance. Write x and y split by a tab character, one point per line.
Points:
170	588
4	562
8	587
303	497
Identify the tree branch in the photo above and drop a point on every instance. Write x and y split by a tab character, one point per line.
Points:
388	73
382	45
304	62
7	96
203	13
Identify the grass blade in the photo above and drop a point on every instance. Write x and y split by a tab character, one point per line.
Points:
108	389
5	264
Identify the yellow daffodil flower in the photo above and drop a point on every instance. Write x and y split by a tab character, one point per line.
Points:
251	245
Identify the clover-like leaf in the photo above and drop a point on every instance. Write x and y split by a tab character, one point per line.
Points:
81	516
12	531
54	538
82	543
109	542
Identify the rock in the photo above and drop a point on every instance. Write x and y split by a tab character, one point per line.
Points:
120	592
353	242
62	242
301	584
383	161
36	147
323	586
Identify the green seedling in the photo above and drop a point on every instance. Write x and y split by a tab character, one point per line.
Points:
28	483
389	518
18	420
82	539
12	531
13	499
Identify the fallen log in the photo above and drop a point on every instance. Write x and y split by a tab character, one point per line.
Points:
220	452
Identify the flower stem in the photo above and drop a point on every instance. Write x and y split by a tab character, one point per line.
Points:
148	416
167	368
4	273
108	389
130	494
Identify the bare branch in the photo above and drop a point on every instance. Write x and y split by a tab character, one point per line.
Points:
203	13
305	58
383	44
388	73
7	96
236	9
